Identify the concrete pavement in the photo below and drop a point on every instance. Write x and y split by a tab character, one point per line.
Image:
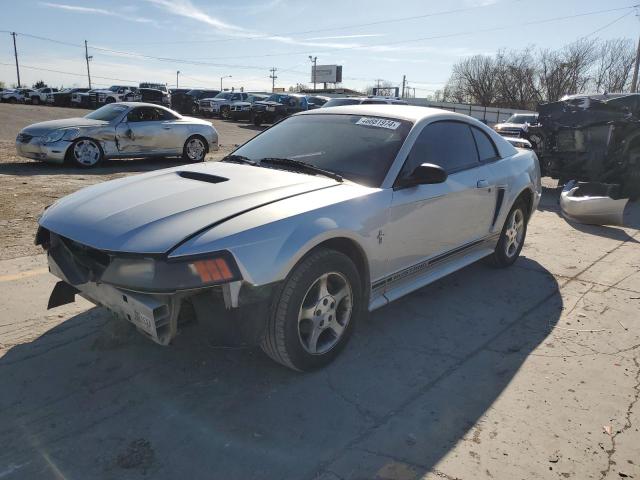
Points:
529	372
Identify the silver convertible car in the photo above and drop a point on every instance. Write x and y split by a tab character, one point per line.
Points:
288	241
118	130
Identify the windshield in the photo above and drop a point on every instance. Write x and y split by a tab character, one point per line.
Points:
107	113
360	149
522	119
225	95
277	98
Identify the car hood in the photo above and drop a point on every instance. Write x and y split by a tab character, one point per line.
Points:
241	104
39	129
154	212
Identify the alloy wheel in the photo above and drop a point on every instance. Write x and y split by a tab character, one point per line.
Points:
325	313
514	233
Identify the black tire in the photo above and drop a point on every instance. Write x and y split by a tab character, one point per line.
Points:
256	120
283	340
188	156
73	158
13	100
194	109
225	113
500	257
109	100
35	100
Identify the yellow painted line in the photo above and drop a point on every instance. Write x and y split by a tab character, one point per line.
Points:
22	275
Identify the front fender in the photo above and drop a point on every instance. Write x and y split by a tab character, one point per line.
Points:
267	242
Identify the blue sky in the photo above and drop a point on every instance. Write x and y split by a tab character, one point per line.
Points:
245	38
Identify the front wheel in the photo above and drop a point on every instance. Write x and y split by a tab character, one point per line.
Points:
314	314
512	236
35	100
85	153
195	149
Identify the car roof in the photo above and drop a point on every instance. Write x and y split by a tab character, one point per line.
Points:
401	112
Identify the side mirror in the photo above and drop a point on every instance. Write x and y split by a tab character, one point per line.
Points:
424	174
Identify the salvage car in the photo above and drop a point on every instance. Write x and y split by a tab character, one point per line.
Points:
276	107
242	110
115	93
516	125
63	97
294	236
153	95
190	101
220	104
82	99
123	130
16	95
591	138
39	96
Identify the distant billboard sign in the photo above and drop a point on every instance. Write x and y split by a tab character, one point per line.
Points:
386	91
326	74
278	89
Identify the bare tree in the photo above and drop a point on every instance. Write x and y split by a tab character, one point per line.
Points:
476	78
612	71
516	80
567	71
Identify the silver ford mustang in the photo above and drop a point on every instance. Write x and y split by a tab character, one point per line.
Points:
285	243
118	130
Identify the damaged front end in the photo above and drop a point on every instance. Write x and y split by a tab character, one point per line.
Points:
157	293
592	138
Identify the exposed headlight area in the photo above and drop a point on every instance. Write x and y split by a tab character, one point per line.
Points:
160	275
80	264
61	134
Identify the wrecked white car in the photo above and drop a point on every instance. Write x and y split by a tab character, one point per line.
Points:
327	215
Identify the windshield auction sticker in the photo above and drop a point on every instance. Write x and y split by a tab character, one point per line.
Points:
378	122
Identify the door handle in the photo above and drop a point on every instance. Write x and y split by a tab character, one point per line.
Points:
482	184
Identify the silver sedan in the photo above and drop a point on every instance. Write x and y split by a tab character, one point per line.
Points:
122	130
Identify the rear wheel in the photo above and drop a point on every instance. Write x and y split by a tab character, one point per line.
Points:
35	100
313	317
85	153
195	149
256	120
512	236
225	113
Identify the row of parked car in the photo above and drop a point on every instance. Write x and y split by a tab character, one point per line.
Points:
257	107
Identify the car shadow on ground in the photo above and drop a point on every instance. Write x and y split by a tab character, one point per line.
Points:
91	398
108	167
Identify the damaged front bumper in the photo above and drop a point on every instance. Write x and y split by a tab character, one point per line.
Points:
593	203
234	318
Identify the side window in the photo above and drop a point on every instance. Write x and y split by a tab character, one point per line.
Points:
486	149
143	114
164	115
448	144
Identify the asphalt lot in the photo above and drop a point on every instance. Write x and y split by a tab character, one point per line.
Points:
532	372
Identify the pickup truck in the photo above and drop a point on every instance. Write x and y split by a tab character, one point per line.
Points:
115	93
15	95
64	97
40	95
220	104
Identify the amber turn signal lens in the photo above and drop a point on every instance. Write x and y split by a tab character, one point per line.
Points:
213	270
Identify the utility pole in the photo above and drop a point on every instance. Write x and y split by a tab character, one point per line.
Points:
314	60
221	78
15	52
634	82
87	58
273	78
177	84
404	84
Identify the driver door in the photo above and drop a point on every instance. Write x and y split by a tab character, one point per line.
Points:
145	130
430	220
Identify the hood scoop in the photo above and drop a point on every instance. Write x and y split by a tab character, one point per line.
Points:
202	177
